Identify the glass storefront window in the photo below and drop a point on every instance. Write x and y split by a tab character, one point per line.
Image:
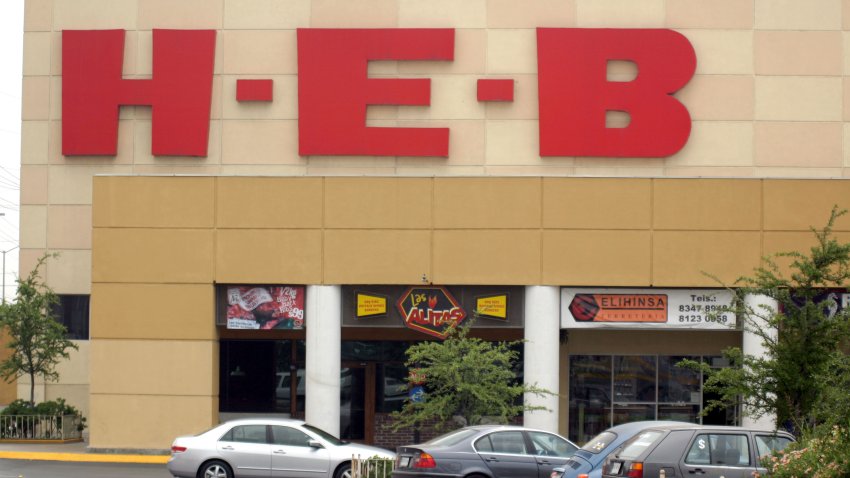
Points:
634	379
261	376
590	396
607	390
677	384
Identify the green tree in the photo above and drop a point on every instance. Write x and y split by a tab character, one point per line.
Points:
801	378
468	378
36	339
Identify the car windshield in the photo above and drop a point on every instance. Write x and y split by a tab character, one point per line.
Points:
325	435
452	438
638	444
599	442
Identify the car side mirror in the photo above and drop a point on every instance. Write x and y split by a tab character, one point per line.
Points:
315	444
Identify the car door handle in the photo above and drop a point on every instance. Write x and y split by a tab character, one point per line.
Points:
227	448
696	471
492	458
280	452
543	462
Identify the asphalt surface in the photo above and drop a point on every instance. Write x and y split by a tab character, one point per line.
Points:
59	469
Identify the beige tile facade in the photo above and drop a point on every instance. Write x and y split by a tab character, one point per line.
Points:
770	99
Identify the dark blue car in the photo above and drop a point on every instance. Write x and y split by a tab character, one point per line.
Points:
589	459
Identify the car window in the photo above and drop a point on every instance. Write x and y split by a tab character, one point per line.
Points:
484	444
503	442
719	449
325	435
452	438
246	434
547	444
636	445
289	436
767	444
599	442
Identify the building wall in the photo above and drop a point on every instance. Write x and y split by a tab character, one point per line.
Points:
161	243
768	101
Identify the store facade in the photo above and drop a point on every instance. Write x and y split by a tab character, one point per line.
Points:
260	241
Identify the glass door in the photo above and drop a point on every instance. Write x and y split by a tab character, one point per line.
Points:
357	401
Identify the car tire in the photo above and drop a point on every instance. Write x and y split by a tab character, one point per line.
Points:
215	469
344	471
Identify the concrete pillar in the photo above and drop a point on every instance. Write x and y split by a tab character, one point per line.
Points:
752	345
324	330
542	327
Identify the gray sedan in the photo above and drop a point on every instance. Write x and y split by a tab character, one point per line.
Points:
266	447
497	451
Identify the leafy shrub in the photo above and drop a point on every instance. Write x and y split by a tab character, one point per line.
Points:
21	408
824	453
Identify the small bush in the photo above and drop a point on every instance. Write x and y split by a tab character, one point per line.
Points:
51	408
824	453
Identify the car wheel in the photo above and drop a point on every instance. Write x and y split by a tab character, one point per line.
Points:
344	471
215	469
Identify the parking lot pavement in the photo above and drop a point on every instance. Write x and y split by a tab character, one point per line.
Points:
78	452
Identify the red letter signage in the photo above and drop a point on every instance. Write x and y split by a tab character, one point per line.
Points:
334	90
180	91
575	94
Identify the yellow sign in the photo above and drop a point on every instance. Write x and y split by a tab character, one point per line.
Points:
371	306
492	307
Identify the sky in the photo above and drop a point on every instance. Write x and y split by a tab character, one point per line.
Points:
11	60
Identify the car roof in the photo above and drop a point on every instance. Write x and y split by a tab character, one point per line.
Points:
264	421
715	428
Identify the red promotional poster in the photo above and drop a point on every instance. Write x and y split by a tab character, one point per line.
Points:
264	307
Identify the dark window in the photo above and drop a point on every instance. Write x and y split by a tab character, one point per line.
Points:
511	443
246	434
72	311
289	436
261	376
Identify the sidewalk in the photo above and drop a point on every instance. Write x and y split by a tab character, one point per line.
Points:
71	452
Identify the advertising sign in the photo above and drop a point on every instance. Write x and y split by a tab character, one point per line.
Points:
265	307
492	307
371	305
431	310
646	308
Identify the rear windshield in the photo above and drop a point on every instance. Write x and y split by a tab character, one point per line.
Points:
453	438
599	442
635	446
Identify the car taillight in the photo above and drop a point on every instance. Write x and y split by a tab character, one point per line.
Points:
425	461
635	470
178	449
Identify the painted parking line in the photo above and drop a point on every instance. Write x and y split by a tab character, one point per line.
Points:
84	457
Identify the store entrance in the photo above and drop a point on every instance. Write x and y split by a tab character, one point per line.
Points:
357	401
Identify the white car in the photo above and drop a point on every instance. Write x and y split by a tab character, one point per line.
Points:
266	447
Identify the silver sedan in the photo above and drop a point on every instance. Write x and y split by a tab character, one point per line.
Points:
266	447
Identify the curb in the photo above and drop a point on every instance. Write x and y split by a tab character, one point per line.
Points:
84	457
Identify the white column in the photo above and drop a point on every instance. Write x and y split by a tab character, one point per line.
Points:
752	345
324	331
542	327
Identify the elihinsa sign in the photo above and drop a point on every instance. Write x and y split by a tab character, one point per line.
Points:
334	91
647	308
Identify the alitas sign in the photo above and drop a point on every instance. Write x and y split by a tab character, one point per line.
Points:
334	91
430	309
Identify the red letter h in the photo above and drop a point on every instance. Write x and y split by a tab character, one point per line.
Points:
180	91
